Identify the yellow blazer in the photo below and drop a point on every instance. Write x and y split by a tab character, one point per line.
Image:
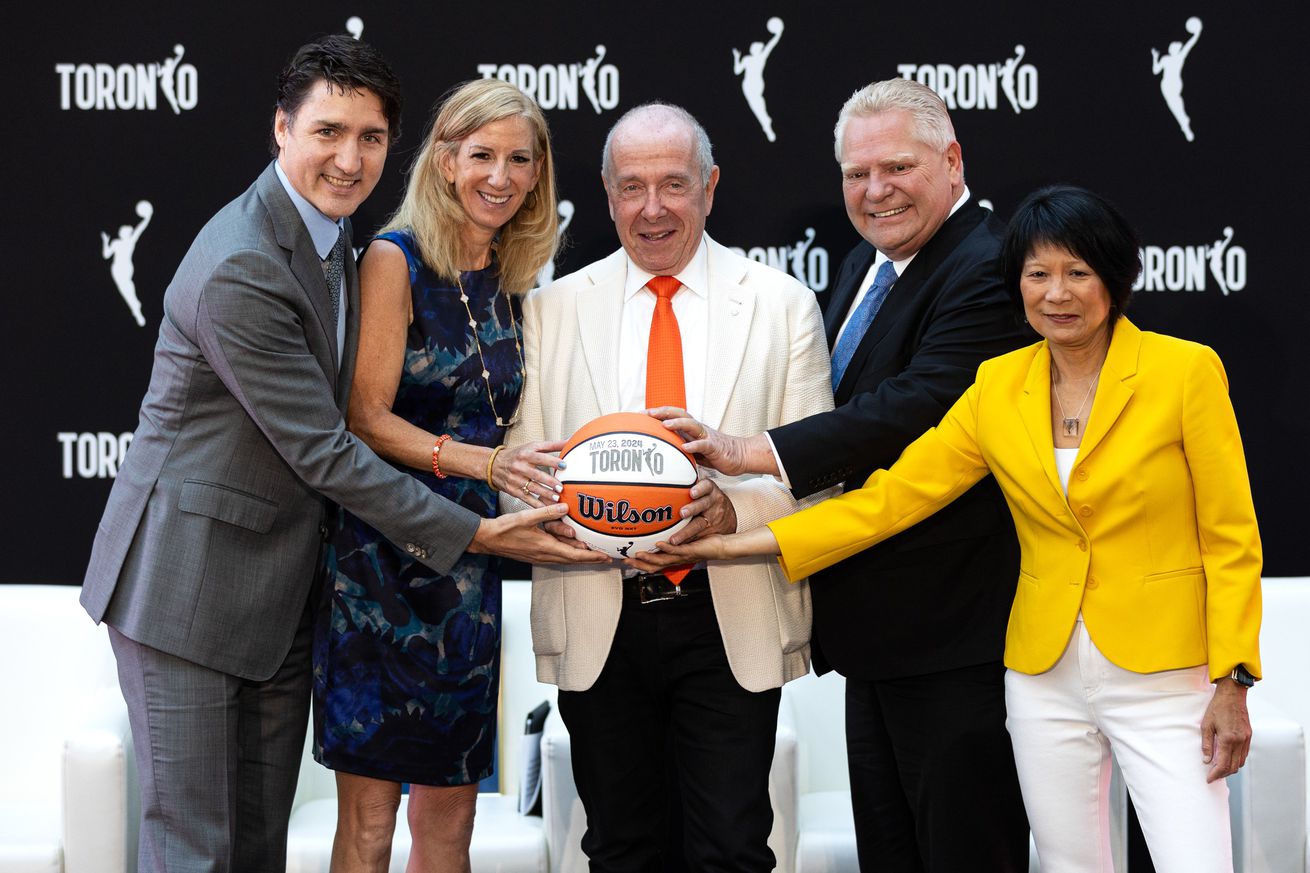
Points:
1157	543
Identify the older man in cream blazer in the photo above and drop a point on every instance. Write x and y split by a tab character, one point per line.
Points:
701	670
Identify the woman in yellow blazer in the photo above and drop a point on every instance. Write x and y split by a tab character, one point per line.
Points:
1137	611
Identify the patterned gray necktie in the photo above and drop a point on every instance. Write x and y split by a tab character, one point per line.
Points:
336	263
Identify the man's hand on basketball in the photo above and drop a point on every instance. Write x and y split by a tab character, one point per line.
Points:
517	535
730	455
524	471
710	512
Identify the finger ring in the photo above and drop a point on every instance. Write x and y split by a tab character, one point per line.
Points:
525	486
702	433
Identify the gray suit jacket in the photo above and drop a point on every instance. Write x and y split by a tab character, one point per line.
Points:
766	365
211	537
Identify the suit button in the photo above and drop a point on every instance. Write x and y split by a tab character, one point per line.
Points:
323	532
1092	583
1082	545
411	548
1081	474
1085	511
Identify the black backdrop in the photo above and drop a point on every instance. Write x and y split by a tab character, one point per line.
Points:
1087	109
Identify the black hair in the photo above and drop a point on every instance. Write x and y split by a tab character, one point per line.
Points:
1082	223
346	64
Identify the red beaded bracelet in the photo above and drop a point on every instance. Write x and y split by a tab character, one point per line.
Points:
436	455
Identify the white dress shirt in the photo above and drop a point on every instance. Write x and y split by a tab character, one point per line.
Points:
691	306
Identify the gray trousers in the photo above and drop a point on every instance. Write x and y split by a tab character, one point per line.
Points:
217	757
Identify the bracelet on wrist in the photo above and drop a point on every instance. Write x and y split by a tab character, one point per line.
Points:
436	455
490	463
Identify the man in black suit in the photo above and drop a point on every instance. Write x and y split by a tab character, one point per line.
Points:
916	624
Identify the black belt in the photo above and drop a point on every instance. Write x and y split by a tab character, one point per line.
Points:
655	587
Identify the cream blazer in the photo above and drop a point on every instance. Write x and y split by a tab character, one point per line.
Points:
768	365
1157	542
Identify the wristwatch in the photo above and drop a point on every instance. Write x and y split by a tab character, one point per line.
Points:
1242	676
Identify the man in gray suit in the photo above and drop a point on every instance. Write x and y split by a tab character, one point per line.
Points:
206	559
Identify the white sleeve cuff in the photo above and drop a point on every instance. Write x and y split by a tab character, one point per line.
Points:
782	471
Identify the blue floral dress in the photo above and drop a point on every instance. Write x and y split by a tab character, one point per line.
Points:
406	662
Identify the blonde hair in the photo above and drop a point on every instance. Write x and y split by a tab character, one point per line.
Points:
431	209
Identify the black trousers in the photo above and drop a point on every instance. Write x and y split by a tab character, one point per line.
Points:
933	783
667	683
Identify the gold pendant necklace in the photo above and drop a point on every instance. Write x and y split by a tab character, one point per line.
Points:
486	374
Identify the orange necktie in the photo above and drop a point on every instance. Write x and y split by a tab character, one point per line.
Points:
665	385
664	382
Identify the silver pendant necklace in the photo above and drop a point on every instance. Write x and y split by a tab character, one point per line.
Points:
1073	423
518	347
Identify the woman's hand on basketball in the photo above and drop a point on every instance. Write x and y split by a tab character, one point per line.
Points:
730	455
709	512
715	547
709	548
525	472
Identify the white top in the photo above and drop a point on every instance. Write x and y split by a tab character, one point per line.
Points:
691	305
1064	459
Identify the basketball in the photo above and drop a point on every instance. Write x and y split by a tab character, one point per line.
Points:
627	478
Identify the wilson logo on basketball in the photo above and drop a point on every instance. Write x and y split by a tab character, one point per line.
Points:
621	512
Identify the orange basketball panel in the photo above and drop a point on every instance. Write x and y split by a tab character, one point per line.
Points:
625	510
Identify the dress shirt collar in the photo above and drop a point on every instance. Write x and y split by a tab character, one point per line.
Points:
322	230
695	276
900	265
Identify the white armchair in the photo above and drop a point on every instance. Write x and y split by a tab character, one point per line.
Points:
65	750
1271	830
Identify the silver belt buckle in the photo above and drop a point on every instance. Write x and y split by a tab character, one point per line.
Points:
650	595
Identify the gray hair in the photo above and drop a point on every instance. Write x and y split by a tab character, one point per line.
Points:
701	139
932	123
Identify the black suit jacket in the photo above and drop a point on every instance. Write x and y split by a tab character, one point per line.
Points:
937	596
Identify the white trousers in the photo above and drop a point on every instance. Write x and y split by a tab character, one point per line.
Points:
1064	724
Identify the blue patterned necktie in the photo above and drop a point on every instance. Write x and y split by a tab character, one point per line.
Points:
863	316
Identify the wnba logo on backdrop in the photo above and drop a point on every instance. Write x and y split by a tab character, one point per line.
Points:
979	86
557	86
1184	268
130	86
546	274
803	259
